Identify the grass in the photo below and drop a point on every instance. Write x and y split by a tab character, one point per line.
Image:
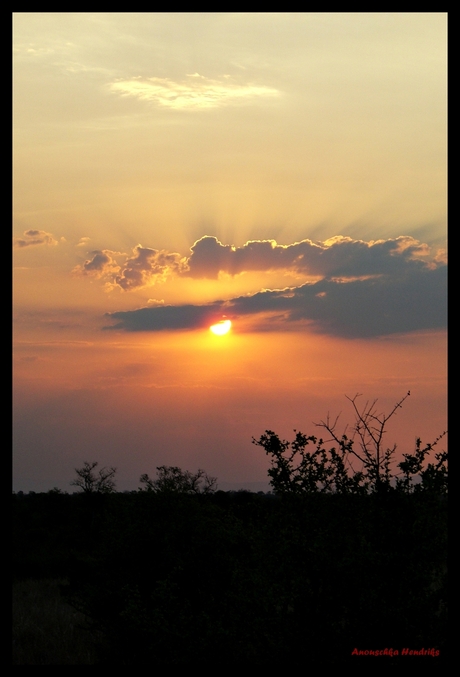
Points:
47	630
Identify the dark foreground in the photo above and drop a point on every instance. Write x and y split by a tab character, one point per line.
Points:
235	579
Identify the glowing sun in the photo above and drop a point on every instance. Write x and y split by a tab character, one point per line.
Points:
221	328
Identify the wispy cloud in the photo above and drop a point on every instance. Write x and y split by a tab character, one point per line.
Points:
33	238
195	92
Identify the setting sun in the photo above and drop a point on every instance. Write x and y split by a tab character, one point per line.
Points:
221	328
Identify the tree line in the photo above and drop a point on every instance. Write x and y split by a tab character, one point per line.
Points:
307	465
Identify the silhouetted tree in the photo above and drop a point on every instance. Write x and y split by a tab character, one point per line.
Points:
173	479
368	430
432	478
91	482
294	469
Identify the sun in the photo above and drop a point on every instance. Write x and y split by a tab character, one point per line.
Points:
221	328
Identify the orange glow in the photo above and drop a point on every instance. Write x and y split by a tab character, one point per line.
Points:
221	328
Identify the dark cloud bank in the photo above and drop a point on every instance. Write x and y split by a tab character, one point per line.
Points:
367	290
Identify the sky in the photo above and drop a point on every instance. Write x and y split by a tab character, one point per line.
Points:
284	171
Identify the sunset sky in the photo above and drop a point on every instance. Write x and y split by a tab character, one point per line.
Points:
284	171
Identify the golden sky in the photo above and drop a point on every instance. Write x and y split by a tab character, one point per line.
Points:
286	171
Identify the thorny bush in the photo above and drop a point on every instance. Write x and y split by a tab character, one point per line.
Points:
296	469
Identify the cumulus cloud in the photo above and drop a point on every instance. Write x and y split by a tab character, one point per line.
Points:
336	257
148	266
33	238
101	264
358	308
144	268
195	92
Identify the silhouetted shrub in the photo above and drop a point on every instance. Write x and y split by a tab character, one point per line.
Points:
295	469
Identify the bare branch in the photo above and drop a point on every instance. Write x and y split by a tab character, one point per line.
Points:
90	482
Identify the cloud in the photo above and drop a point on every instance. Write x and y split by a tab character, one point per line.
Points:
161	318
359	308
336	257
339	257
197	92
32	238
148	266
145	268
101	264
